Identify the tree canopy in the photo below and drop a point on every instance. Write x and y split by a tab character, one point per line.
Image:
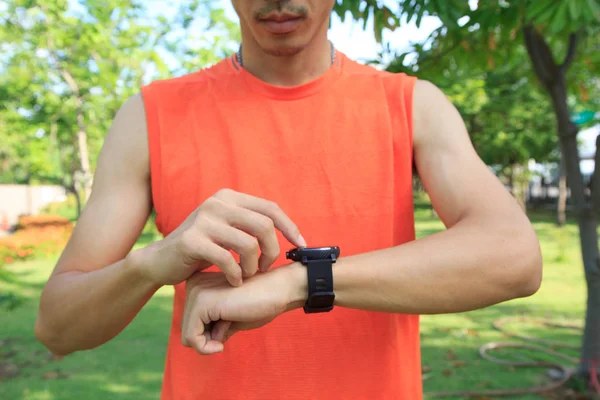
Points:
68	67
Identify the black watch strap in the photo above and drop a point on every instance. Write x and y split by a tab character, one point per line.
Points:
320	286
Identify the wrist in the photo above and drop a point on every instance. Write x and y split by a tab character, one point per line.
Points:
297	285
138	262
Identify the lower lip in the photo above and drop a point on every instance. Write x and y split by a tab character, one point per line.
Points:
282	27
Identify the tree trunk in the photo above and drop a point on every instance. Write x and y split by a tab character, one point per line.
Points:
518	181
84	159
561	214
78	200
553	77
586	220
73	189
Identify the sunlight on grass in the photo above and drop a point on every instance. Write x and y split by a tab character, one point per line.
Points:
37	395
130	367
116	388
148	376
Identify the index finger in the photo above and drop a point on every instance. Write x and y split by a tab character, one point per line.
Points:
270	209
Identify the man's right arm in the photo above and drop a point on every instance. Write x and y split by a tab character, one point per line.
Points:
95	289
98	286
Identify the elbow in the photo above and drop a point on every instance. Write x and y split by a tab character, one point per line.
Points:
49	338
533	281
527	262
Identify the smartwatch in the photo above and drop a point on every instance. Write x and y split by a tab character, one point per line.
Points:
318	262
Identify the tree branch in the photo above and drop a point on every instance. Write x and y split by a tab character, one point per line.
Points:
573	39
540	55
63	71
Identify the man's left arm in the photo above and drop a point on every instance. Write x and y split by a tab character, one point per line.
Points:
489	253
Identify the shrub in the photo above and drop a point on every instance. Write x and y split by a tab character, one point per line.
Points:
36	237
39	221
66	208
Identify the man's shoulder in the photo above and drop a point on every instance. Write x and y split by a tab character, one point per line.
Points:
429	99
423	92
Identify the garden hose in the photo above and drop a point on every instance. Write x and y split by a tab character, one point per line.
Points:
566	372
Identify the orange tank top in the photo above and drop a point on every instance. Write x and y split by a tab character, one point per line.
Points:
336	155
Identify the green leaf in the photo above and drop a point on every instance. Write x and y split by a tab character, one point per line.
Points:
560	18
594	8
538	8
573	9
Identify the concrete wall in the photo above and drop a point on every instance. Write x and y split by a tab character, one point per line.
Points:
18	200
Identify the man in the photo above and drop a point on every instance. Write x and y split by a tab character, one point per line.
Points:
285	147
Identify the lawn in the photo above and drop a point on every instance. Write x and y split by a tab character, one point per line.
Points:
130	366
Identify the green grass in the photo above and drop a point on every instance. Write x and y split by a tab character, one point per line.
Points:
131	365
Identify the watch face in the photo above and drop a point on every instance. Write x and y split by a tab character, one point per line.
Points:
314	253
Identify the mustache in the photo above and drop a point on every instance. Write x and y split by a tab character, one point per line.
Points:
280	6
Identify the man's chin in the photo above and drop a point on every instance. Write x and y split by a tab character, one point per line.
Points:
282	50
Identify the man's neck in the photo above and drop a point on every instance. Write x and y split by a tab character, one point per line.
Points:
312	62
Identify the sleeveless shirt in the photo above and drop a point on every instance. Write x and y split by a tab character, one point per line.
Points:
336	155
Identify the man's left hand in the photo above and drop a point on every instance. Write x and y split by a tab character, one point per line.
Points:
214	310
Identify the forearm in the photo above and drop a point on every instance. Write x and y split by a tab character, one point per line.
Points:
460	269
464	268
82	310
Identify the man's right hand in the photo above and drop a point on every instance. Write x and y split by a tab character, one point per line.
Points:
226	221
